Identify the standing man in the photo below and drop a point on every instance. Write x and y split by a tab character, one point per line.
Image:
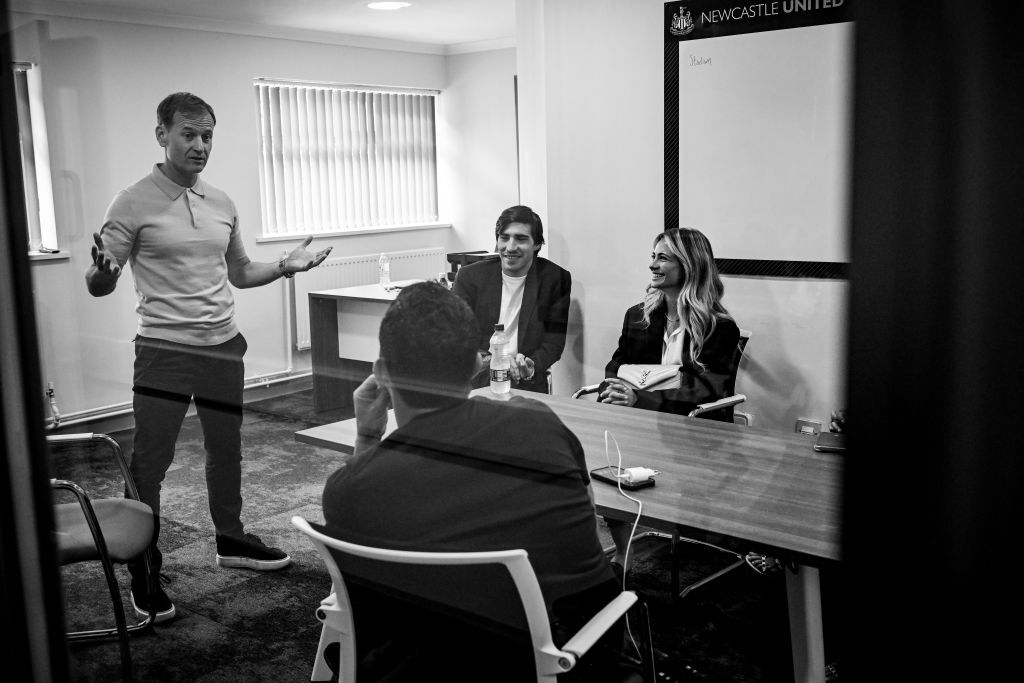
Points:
183	241
527	293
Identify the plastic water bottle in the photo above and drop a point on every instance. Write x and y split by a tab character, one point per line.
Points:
501	364
384	270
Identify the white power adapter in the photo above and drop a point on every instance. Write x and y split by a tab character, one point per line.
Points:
638	474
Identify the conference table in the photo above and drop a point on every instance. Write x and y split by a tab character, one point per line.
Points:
770	490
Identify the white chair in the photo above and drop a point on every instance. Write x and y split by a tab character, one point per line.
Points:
489	600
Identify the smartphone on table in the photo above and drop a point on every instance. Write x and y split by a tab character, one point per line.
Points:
830	442
609	476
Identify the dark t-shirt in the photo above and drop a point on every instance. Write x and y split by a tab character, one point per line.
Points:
477	475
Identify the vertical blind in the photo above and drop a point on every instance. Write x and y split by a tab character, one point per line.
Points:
337	158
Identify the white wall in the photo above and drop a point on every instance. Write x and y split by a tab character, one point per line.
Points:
478	168
591	136
600	86
531	70
102	82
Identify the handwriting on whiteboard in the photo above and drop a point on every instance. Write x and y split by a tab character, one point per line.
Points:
699	61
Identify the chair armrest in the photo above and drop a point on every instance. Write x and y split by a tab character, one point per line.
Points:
599	624
589	389
89	437
715	405
80	494
70	438
87	510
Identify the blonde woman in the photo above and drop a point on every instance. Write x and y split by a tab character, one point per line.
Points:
681	321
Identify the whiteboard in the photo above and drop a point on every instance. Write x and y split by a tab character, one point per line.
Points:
764	142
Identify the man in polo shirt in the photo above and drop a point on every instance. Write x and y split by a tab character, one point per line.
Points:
183	241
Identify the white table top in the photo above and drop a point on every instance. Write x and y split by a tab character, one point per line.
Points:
374	292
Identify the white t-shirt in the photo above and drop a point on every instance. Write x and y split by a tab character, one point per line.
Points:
511	304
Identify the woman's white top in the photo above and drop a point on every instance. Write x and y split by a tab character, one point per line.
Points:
672	345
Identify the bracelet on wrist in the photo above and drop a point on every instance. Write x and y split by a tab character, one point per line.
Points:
281	268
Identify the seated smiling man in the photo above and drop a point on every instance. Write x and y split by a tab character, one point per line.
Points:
463	474
528	294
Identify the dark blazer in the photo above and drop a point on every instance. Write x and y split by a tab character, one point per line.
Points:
720	356
542	319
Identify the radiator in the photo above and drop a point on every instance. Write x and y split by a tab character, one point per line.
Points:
350	271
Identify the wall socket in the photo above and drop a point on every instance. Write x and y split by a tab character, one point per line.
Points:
808	427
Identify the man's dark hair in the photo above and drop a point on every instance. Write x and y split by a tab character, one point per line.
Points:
185	102
521	214
428	341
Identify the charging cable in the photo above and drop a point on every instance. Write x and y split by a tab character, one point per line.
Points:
636	474
620	474
636	520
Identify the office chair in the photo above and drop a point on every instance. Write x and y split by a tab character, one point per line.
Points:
457	259
494	591
107	530
756	561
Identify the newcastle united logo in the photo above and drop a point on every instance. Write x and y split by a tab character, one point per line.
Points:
682	22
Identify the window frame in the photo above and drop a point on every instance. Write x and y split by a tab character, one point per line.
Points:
34	151
270	189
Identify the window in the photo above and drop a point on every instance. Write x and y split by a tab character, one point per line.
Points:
35	159
337	158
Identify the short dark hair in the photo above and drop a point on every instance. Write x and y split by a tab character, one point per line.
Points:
521	214
186	103
428	341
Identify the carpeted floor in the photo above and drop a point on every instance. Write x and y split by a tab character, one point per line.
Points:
241	625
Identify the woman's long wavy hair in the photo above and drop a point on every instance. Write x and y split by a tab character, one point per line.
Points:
700	297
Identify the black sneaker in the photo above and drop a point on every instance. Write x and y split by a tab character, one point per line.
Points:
249	552
161	604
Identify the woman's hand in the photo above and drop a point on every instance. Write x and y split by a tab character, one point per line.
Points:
618	393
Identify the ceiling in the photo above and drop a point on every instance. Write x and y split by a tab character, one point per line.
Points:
438	26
